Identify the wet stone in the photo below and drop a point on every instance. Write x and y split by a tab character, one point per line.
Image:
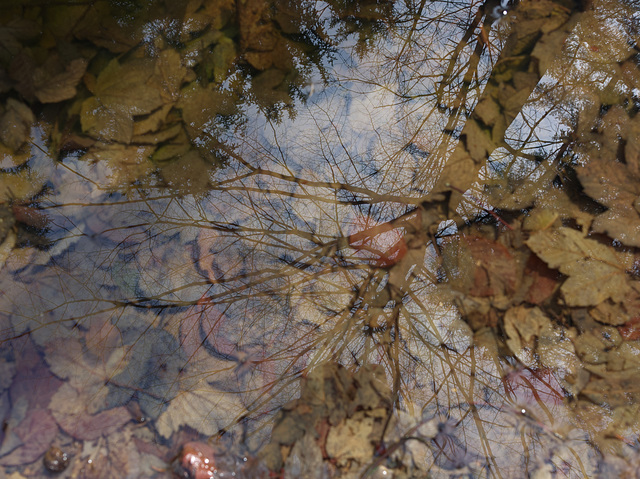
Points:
55	459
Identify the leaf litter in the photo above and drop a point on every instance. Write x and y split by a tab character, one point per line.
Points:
571	327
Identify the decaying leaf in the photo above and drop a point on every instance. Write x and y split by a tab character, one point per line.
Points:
204	408
354	439
121	92
168	75
611	176
15	124
85	371
540	280
593	270
60	86
522	325
617	187
117	455
36	432
480	267
69	407
125	164
609	313
201	105
531	386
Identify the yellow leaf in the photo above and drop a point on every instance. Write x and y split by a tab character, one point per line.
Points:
594	272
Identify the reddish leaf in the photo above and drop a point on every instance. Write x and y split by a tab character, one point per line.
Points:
30	216
37	431
34	381
69	407
545	280
630	331
495	270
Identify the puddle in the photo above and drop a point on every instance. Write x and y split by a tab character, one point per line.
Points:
272	239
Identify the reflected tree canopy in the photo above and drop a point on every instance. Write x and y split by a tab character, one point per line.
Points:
319	239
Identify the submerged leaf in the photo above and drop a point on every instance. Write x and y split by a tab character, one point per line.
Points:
522	325
479	266
614	185
61	86
125	164
36	432
70	409
122	91
595	274
15	124
205	409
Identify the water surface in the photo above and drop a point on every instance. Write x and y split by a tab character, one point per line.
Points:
324	239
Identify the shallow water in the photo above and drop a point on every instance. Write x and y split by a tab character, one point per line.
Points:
211	205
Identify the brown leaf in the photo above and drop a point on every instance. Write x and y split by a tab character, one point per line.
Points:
34	382
612	184
203	408
480	267
200	106
630	331
612	174
15	124
530	386
609	313
595	274
168	75
544	280
122	91
37	431
56	88
116	456
69	408
126	164
522	326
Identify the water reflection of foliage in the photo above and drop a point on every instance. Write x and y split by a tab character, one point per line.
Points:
304	257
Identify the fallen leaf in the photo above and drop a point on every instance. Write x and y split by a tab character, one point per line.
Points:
353	440
531	386
203	408
116	456
88	371
168	75
630	330
613	184
611	176
103	24
37	431
479	266
69	407
202	325
593	270
154	364
522	326
33	381
200	106
15	124
609	313
122	91
61	86
125	163
543	280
